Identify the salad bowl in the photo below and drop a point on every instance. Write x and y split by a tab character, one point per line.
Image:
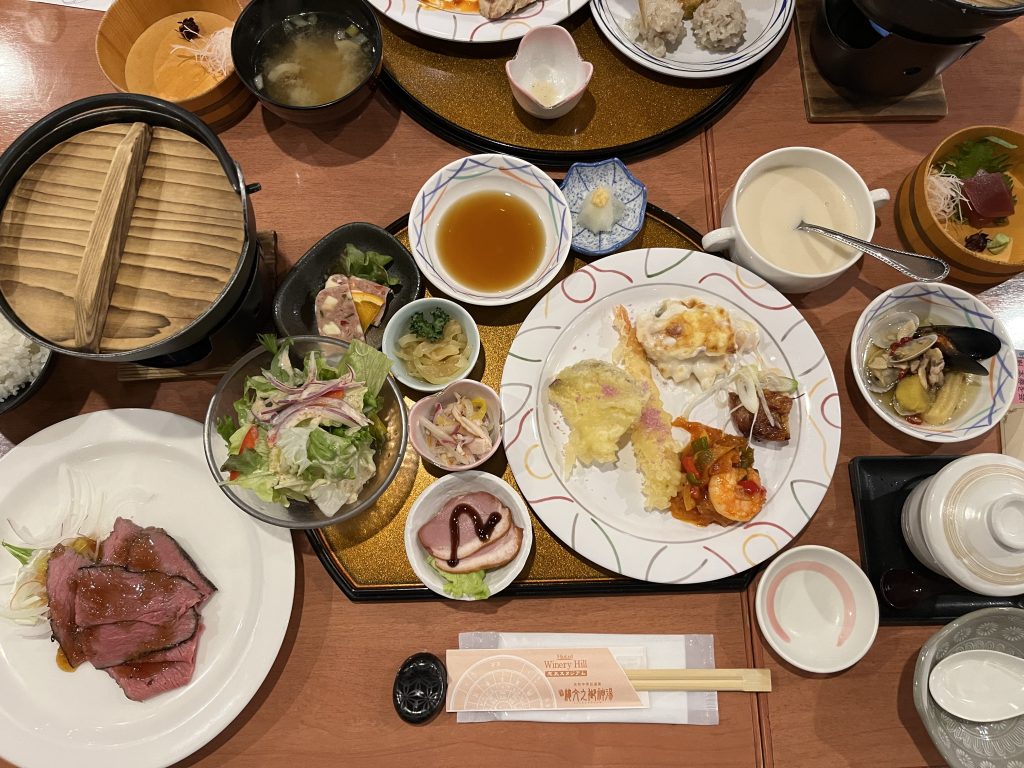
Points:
284	473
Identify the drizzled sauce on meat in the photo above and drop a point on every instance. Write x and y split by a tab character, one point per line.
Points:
482	528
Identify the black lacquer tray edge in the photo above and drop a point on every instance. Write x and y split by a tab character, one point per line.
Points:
618	585
562	159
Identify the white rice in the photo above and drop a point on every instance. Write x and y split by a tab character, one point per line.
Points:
719	25
21	360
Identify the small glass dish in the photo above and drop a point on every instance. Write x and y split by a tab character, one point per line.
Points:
300	514
425	408
581	180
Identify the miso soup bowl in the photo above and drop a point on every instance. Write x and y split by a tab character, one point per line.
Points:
489	173
260	16
733	237
938	304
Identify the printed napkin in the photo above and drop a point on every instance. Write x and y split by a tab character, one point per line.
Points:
660	652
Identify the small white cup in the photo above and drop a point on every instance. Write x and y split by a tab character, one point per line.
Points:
730	236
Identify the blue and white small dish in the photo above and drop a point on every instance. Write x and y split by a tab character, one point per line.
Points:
583	178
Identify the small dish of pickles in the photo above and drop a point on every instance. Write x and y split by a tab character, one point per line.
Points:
934	362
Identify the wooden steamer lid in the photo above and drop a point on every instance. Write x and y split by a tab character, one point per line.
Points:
143	215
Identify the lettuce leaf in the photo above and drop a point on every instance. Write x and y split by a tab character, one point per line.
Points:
368	265
471	585
369	365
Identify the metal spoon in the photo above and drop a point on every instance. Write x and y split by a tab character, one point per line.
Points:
925	269
979	685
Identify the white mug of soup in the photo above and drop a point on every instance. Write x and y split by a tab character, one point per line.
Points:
770	199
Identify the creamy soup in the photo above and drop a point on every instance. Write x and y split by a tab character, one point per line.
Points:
770	207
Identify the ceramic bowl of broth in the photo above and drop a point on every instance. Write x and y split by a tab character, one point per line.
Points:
771	197
490	230
308	61
985	384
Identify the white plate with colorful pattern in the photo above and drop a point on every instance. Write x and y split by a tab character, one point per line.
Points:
599	511
469	26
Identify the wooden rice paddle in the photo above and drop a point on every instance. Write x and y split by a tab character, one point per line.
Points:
107	235
754	680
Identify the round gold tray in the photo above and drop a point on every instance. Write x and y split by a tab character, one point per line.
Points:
366	556
459	91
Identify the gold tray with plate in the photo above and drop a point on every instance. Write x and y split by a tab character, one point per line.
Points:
366	555
460	92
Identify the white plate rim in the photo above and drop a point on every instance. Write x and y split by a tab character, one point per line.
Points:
276	555
632	555
474	28
782	16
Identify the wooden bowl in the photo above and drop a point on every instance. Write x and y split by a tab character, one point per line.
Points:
220	106
921	231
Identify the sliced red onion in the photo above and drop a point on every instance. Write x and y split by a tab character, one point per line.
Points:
337	410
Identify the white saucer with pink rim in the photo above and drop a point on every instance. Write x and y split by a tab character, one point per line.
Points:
817	609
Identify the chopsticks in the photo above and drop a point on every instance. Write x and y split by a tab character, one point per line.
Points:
756	680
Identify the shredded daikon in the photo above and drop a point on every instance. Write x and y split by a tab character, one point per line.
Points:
944	193
213	53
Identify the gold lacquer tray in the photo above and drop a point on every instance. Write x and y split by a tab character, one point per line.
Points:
366	555
460	92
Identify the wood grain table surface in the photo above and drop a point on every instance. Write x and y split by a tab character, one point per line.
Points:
326	701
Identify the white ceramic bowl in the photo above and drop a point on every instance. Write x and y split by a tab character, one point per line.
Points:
547	75
580	180
399	324
480	173
733	237
935	303
817	609
425	408
434	497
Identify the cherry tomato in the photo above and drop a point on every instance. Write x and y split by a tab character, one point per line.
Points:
249	441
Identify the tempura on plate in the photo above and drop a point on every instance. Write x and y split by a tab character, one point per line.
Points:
600	403
657	453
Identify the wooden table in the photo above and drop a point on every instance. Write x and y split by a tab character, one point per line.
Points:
327	699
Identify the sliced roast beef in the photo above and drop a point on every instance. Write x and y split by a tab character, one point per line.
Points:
158	672
435	534
108	594
114	549
107	645
152	549
61	584
494	555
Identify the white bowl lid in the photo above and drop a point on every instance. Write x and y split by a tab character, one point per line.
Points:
974	522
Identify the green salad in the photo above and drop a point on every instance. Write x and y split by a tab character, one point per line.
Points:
308	433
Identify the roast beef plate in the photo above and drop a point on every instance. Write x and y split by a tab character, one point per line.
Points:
135	613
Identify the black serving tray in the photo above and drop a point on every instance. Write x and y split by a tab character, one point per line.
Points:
880	486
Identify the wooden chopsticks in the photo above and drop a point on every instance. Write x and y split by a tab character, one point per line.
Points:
756	680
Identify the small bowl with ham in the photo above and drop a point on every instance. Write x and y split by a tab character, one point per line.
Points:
492	540
459	428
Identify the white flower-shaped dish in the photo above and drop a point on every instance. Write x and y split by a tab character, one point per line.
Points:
581	179
547	75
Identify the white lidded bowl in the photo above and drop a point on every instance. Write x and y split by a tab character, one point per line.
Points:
399	324
547	75
434	497
490	173
967	523
938	304
817	609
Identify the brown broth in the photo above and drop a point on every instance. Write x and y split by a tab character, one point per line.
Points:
490	241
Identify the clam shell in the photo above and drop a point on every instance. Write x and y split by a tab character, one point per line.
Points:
893	326
913	348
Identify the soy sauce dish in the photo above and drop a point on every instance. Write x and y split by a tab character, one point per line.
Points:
483	565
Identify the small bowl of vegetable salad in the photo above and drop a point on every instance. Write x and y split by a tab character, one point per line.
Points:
431	343
306	431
